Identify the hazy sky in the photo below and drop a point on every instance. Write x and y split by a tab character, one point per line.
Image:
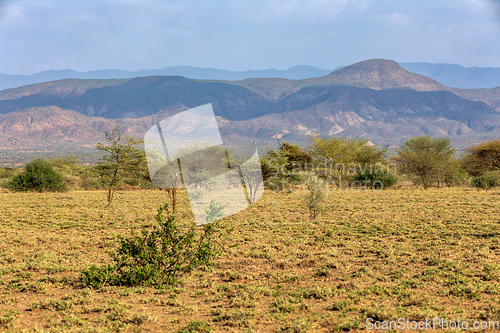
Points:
84	35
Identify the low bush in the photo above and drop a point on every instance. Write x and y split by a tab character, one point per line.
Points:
159	255
315	196
488	180
375	180
39	176
7	172
455	175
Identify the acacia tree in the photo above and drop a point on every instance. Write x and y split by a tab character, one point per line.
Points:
426	158
337	151
482	158
296	156
123	154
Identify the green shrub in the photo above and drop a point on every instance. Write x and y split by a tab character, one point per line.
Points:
158	256
89	183
7	172
69	169
65	164
132	181
197	326
455	176
214	212
375	180
38	175
315	196
488	180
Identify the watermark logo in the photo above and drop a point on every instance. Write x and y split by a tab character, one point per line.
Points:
188	149
431	324
332	177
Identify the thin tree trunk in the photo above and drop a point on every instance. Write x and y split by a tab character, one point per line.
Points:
174	200
173	192
110	196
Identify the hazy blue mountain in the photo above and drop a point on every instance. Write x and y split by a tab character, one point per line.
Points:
447	74
457	76
293	73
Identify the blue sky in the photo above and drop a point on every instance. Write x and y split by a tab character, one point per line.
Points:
37	35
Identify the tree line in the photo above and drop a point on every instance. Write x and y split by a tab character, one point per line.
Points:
423	160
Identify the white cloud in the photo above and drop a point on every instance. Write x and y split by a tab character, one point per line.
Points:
400	19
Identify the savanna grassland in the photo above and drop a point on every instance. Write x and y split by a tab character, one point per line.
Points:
381	254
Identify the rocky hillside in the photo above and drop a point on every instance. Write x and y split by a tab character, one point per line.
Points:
376	99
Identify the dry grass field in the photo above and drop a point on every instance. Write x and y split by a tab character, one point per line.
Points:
404	253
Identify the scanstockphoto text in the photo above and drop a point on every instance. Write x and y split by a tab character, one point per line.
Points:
431	324
330	176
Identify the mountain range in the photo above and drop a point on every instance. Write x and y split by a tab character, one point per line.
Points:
376	99
456	75
294	73
448	74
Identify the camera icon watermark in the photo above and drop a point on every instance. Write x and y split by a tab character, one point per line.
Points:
188	149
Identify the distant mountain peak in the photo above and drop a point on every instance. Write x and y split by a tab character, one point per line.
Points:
381	74
374	64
